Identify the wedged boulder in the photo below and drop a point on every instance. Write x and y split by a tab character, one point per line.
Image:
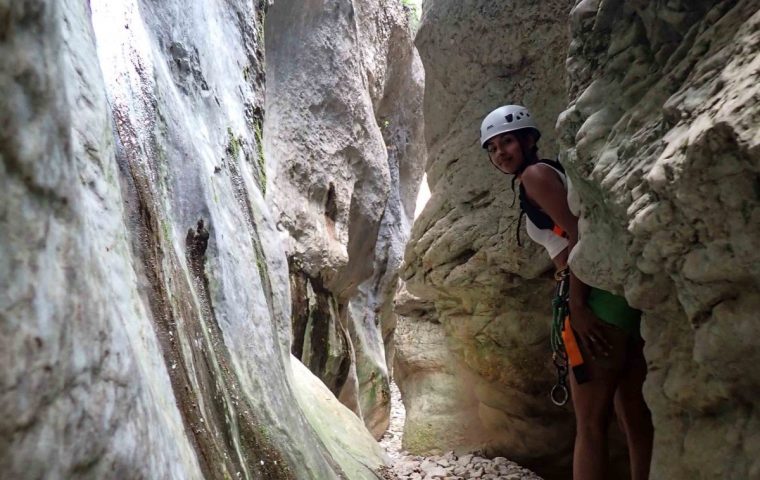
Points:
343	433
437	389
491	296
145	326
344	132
662	138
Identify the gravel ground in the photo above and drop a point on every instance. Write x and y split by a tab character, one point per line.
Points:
448	466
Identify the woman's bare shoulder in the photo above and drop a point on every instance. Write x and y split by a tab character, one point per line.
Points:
540	174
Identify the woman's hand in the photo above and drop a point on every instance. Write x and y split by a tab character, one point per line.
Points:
589	330
545	188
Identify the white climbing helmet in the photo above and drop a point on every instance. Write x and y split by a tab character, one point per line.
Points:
507	119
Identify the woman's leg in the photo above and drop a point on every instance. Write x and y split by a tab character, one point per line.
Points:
592	402
634	414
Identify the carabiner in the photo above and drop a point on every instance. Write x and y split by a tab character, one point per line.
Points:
559	395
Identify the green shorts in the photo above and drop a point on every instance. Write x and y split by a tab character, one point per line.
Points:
614	309
621	330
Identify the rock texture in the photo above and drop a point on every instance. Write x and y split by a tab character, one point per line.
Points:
442	409
662	140
485	299
344	101
346	437
460	467
450	466
145	325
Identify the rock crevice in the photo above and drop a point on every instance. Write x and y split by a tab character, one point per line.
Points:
344	130
145	303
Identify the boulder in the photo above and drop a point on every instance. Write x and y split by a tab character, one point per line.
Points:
436	388
661	140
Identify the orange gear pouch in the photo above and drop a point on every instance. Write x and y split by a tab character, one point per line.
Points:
574	356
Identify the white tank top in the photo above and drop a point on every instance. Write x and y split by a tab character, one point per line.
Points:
553	243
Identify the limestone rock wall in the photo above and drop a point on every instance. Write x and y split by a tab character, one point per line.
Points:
487	297
144	301
661	136
344	130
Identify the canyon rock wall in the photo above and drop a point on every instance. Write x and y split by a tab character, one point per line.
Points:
661	138
478	302
144	294
344	125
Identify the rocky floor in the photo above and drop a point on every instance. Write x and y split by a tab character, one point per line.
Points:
449	466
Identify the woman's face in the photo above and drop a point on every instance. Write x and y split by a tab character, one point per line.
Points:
505	152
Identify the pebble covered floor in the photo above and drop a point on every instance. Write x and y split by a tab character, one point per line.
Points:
448	466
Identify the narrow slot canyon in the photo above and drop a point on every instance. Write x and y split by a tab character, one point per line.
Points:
275	239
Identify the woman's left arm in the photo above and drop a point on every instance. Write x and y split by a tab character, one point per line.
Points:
545	188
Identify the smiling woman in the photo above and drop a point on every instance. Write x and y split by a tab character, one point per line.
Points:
605	358
505	152
510	134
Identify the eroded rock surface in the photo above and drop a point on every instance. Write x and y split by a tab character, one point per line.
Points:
145	325
344	123
662	139
450	466
489	296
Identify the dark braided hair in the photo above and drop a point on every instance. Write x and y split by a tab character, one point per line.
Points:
530	157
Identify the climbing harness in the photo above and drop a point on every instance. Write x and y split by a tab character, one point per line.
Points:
560	310
565	351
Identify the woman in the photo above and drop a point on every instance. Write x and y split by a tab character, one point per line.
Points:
605	327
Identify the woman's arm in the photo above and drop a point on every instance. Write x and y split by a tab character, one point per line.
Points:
544	187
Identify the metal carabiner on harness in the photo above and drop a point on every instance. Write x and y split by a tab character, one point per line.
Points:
559	393
563	283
